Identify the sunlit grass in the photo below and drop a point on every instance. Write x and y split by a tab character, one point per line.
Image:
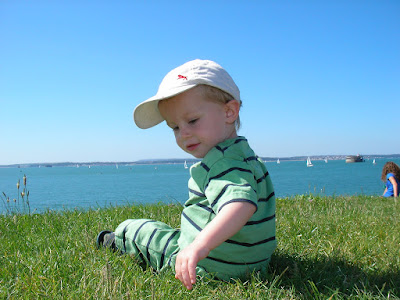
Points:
339	247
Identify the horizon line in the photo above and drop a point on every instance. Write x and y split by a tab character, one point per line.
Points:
270	158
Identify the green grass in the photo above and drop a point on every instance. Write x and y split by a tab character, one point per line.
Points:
328	247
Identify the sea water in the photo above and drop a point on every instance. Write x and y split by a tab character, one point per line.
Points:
59	188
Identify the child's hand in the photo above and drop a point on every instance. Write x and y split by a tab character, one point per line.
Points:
186	263
228	221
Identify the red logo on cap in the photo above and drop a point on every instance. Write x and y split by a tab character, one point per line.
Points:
182	77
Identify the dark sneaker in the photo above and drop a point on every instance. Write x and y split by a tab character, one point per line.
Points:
106	239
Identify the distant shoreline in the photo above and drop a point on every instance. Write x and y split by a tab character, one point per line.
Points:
182	160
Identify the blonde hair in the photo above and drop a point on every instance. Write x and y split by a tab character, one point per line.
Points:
217	95
390	167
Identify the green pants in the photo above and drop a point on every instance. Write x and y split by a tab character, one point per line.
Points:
155	244
151	242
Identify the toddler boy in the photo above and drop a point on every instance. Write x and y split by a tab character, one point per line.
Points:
228	222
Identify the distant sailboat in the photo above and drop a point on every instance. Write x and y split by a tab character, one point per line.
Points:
185	165
116	166
309	163
326	159
374	162
278	161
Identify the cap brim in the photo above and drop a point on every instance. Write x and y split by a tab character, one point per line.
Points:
147	115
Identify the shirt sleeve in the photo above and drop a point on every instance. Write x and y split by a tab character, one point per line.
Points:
389	175
230	181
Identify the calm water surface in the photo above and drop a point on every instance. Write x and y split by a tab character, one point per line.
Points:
70	187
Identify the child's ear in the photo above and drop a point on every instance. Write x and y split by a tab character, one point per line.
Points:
232	111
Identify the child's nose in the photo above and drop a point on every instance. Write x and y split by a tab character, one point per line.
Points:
185	132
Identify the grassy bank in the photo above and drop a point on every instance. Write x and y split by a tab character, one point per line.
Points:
328	247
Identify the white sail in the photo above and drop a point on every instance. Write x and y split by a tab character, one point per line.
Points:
185	165
374	162
309	163
278	161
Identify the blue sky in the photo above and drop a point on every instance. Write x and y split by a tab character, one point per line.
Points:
316	77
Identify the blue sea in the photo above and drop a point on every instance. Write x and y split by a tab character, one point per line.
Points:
59	188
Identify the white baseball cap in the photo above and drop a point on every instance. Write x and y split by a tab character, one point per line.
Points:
181	79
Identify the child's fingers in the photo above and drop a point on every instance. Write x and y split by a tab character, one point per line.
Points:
185	266
182	273
192	272
186	280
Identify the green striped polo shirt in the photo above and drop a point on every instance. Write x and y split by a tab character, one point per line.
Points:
231	172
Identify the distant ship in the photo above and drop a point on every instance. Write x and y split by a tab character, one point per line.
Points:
354	158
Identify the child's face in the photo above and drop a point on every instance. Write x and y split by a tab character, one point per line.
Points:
198	123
